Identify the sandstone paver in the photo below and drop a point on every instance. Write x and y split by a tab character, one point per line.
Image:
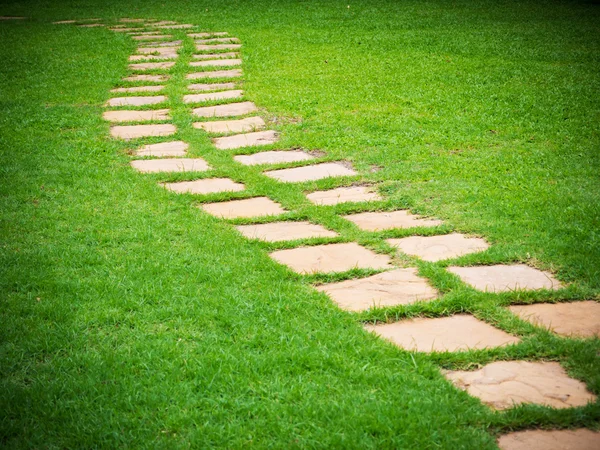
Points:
150	58
221	40
152	37
138	89
310	173
231	126
502	278
216	62
254	139
387	220
225	55
205	186
273	157
581	439
233	73
136	116
229	110
336	196
212	47
247	208
136	131
437	248
176	27
152	65
156	44
221	95
154	78
208	34
210	86
136	101
285	231
159	50
170	165
173	148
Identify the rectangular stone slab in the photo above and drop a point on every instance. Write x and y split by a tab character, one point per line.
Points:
438	248
336	196
136	101
150	37
169	51
176	27
205	47
138	89
222	40
136	131
222	95
211	86
310	173
151	65
205	186
173	148
150	58
155	78
254	139
231	126
233	73
250	207
580	439
136	116
229	110
387	220
170	165
285	231
216	55
160	44
273	157
503	278
208	34
216	63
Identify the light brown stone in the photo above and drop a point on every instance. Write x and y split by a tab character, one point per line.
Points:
251	207
173	148
136	116
205	186
336	196
130	20
273	157
136	101
231	126
152	37
454	333
581	319
331	258
207	34
211	47
164	22
233	73
387	220
216	55
285	231
581	439
176	27
222	95
168	51
438	248
504	384
211	86
164	57
152	65
254	139
147	33
136	131
139	89
159	44
221	40
310	173
229	110
155	78
62	22
502	278
216	62
170	165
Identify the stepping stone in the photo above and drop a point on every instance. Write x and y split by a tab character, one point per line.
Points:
273	157
156	78
151	65
151	37
160	50
251	207
164	22
377	221
581	439
136	101
505	384
136	116
205	186
246	140
211	47
153	57
136	131
231	109
581	319
203	35
170	44
139	89
170	165
222	95
176	27
91	25
128	20
61	22
503	278
123	30
174	148
285	231
310	173
454	333
396	287
233	73
352	194
331	258
211	86
217	62
216	55
223	40
231	126
438	248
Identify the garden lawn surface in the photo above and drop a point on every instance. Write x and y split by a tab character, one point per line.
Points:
130	318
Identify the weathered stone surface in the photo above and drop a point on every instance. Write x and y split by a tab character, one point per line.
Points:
130	20
376	221
581	439
154	78
353	194
163	22
225	55
221	40
454	333
273	157
396	287
502	278
211	86
285	231
176	27
207	34
136	131
229	110
310	173
221	95
156	44
205	186
246	140
581	319
211	47
231	126
152	65
168	51
173	148
216	62
251	207
437	248
504	384
233	73
61	22
331	258
170	165
138	89
91	25
151	37
136	116
164	57
136	101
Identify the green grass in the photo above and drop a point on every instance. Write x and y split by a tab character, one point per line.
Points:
131	319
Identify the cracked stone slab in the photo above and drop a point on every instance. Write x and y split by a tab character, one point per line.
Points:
207	34
173	148
231	126
211	86
225	55
220	40
310	173
580	319
233	73
221	95
273	157
136	131
216	62
331	258
505	384
285	231
438	248
205	186
211	47
136	101
136	116
254	139
155	78
336	196
170	165
387	220
138	89
152	65
396	287
580	439
247	208
503	278
229	110
455	333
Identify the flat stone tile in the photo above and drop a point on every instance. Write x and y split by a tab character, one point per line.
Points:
150	58
231	126
174	148
211	86
170	165
580	319
136	101
222	95
136	116
216	62
177	27
208	34
91	25
152	65
233	73
454	333
152	37
138	89
273	157
438	248
219	40
247	140
130	20
581	439
502	278
211	47
217	55
354	194
505	384
386	220
63	22
229	110
206	186
285	231
147	33
169	51
310	173
155	44
331	258
136	131
155	78
251	207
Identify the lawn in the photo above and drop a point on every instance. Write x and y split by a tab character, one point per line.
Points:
130	318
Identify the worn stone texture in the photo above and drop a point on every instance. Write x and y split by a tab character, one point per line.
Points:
438	248
150	58
170	165
211	86
149	37
136	101
502	278
211	47
216	63
231	126
136	131
152	65
336	196
273	157
136	116
221	95
581	439
233	73
160	44
221	40
173	148
285	231
254	139
155	78
208	34
250	207
226	55
229	110
310	173
164	51
138	89
205	186
387	220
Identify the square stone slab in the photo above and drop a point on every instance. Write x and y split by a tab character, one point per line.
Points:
211	47
285	231
136	101
139	89
273	157
206	186
216	55
396	287
151	65
231	126
208	34
170	165
216	63
251	207
229	110
504	384
222	95
233	73
438	248
246	140
352	194
503	278
136	116
211	86
454	333
155	78
310	173
136	131
331	258
386	220
581	439
174	148
581	319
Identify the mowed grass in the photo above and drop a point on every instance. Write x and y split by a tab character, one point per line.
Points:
132	319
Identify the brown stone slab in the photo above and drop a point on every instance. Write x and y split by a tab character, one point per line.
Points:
152	65
273	157
233	73
216	62
219	40
155	78
251	207
387	220
212	47
155	44
170	165
208	34
136	116
164	57
505	384
310	173
231	126
211	86
396	287
331	258
455	333
502	278
217	55
147	33
229	110
205	186
164	22
168	51
136	131
254	139
581	439
176	27
285	231
581	319
173	148
221	95
353	194
138	89
136	101
438	248
152	37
